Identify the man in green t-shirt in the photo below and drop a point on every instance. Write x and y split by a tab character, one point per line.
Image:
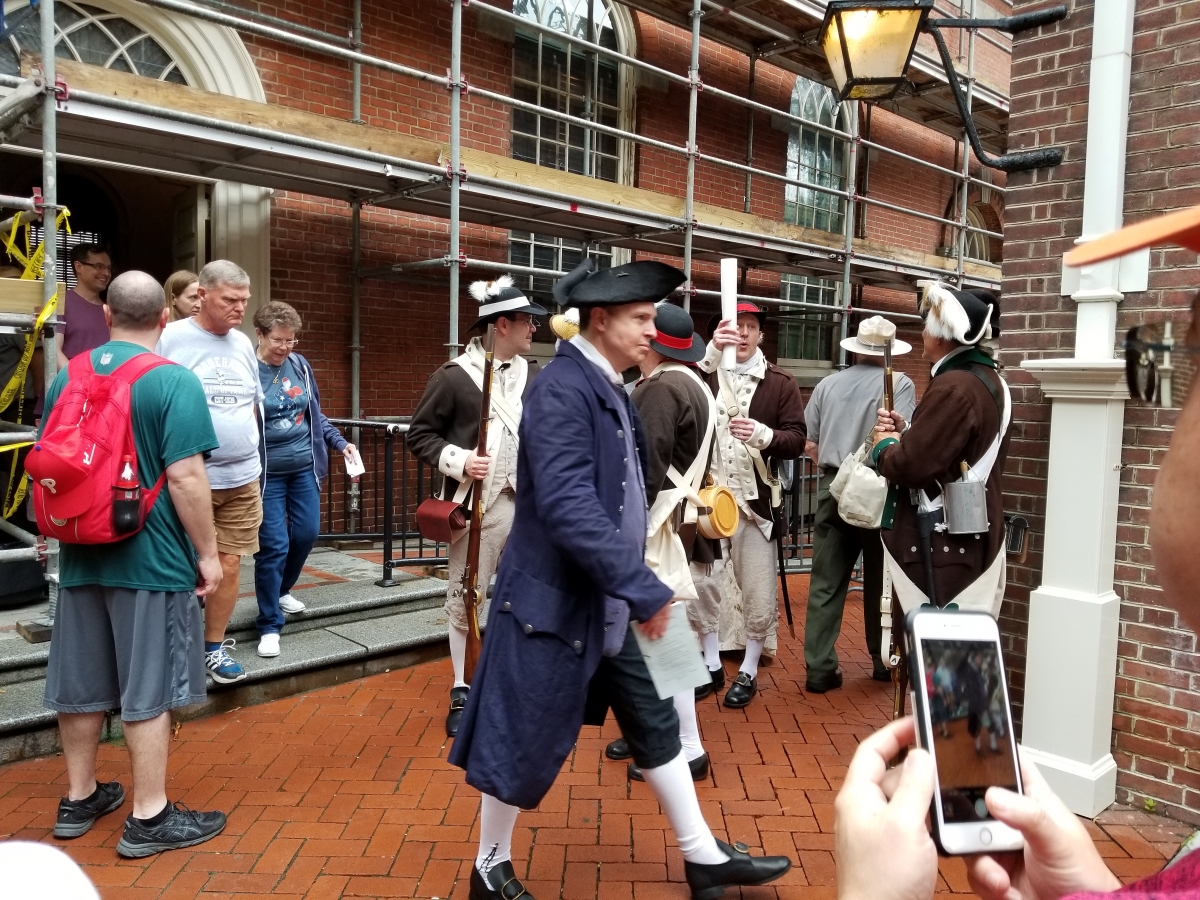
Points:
128	633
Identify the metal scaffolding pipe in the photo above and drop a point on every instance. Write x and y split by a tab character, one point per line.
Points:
891	314
953	173
961	243
355	308
23	553
19	533
24	204
456	90
356	66
50	242
749	132
298	40
779	301
689	216
848	229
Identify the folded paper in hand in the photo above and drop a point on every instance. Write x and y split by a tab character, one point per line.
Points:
675	661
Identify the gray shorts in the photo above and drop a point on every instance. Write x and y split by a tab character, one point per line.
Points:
116	648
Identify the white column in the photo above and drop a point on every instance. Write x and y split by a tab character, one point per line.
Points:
1071	659
1071	656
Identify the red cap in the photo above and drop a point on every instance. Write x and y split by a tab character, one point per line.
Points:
745	306
62	467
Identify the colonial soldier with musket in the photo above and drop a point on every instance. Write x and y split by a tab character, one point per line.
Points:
560	649
676	410
444	432
946	544
760	423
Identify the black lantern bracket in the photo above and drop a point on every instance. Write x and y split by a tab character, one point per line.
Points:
1043	157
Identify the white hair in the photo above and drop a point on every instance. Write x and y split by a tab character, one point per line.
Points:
222	271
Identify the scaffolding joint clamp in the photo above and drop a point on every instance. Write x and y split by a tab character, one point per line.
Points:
461	174
62	92
464	86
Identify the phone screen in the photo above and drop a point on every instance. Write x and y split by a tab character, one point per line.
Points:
969	718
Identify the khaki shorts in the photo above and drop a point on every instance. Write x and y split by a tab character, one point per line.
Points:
237	513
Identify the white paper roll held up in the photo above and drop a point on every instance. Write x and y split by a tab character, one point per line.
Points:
729	282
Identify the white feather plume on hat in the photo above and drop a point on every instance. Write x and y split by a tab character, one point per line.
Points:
945	317
482	290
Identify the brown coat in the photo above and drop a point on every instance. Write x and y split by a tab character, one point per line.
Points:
674	415
956	420
778	405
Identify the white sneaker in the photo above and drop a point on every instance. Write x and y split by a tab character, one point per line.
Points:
290	604
268	645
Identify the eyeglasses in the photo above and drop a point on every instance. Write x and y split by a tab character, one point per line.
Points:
1149	369
99	267
282	342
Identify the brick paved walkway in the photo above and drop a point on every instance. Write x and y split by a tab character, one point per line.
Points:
345	792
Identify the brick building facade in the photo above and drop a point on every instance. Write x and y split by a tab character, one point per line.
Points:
1155	736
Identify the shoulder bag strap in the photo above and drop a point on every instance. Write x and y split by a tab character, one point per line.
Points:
760	464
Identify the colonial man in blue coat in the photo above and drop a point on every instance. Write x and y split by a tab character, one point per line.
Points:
560	649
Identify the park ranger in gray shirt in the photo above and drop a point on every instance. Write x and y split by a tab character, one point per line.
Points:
840	414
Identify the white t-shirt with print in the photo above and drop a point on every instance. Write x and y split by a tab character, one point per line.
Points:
228	370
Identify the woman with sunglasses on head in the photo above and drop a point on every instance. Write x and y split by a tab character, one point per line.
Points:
296	442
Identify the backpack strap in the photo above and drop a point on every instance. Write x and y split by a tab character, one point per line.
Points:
134	367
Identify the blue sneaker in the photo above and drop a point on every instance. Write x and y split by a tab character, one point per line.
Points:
223	667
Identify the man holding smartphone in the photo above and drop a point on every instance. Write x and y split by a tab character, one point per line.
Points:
883	848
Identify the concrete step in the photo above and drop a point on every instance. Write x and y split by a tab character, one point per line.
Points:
350	628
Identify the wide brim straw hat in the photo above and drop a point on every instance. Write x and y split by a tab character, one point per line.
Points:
873	333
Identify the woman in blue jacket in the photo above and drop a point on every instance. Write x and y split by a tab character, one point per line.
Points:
296	442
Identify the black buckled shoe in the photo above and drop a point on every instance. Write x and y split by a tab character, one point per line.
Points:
698	766
821	685
458	702
742	869
741	692
718	682
618	750
501	884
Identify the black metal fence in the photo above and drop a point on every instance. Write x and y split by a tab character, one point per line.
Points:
381	506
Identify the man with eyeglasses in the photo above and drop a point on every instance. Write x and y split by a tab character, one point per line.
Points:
81	326
444	432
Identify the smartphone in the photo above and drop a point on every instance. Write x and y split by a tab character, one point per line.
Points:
964	720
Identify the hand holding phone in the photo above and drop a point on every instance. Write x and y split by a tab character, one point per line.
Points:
964	720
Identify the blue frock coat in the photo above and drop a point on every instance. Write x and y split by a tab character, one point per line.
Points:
545	631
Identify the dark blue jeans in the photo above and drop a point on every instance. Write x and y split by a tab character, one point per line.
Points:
291	520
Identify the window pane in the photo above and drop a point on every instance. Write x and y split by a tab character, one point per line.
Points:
524	148
92	45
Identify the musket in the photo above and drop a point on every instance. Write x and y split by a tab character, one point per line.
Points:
472	591
787	600
897	653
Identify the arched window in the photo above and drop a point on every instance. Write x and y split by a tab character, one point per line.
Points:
977	246
816	157
556	75
90	35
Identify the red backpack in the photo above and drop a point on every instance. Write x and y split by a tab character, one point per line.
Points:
86	489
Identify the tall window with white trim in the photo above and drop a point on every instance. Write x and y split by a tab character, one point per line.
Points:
816	157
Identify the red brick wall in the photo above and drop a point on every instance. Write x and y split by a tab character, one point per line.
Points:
1157	710
404	329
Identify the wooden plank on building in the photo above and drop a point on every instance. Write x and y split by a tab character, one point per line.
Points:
24	296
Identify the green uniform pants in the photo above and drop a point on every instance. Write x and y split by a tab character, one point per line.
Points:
836	547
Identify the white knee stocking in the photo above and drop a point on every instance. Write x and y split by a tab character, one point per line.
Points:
689	727
749	665
496	823
672	785
712	650
458	655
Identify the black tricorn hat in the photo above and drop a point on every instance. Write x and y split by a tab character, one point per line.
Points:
952	315
500	297
637	282
677	338
990	297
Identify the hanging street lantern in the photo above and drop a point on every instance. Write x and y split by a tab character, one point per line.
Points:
869	44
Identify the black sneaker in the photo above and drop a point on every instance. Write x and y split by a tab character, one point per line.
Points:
76	817
182	827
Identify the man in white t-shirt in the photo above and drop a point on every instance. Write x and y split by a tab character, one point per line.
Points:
222	357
